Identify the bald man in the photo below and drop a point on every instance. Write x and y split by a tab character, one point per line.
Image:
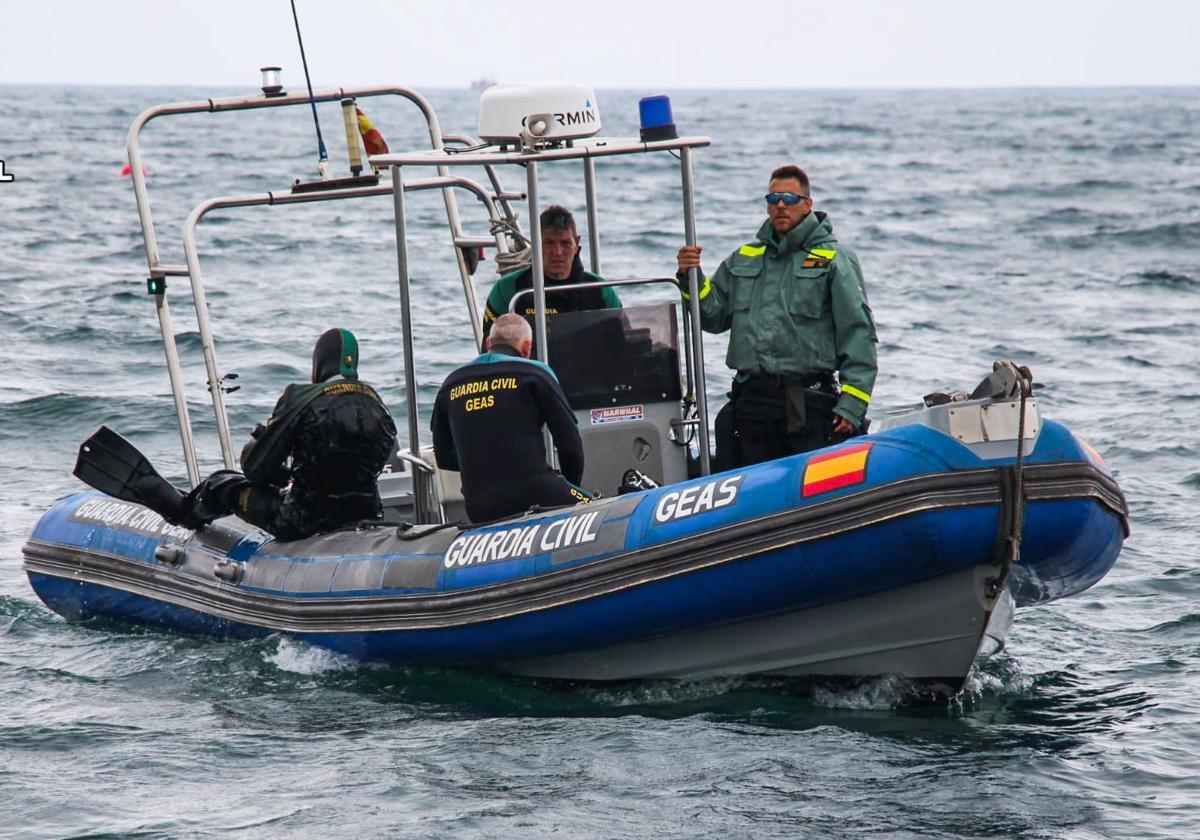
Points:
487	424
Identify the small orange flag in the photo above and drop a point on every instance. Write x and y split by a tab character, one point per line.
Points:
373	141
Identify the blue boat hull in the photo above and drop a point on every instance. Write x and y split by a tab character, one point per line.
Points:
881	555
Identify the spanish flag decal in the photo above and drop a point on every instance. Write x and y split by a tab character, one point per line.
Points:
834	470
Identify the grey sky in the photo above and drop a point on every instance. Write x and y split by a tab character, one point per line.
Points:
607	43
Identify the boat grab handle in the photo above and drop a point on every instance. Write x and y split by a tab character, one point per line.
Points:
418	464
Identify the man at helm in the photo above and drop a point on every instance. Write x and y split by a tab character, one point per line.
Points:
562	268
487	423
794	303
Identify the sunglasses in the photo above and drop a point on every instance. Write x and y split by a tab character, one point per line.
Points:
786	197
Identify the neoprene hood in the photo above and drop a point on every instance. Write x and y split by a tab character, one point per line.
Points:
336	354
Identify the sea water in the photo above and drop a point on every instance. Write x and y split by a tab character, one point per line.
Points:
1059	228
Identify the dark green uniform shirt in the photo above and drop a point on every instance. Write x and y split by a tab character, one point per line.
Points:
559	296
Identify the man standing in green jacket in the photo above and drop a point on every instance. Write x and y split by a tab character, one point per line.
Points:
794	303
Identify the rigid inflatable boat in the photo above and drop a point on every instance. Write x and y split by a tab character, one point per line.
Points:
882	555
899	552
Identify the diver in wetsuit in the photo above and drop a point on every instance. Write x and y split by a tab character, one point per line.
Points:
487	423
330	439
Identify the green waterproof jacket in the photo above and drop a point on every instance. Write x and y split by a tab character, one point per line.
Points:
796	308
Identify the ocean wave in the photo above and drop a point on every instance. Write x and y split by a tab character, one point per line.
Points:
1126	150
1061	216
13	610
1069	189
1177	329
1100	339
1161	280
93	336
853	128
1167	235
60	411
65	737
1187	625
301	658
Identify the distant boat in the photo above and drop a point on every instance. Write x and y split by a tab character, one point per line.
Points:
482	83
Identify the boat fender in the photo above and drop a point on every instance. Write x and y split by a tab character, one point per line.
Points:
170	555
228	571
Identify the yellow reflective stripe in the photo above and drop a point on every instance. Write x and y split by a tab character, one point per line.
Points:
752	250
822	253
855	392
704	290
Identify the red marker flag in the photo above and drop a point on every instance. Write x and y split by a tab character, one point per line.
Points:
373	141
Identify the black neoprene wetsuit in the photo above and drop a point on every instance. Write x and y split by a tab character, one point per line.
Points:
329	439
338	435
487	423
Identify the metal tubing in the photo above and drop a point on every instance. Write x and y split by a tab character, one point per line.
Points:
175	373
501	196
410	377
539	277
600	147
689	371
192	271
600	284
689	235
206	336
539	289
240	103
150	240
589	188
456	230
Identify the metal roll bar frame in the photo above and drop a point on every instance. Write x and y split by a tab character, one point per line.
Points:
196	279
586	151
160	271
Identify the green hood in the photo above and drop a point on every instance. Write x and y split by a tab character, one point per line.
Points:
336	354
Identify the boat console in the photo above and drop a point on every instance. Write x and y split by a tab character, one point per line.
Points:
620	371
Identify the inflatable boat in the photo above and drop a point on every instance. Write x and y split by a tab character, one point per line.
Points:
884	555
901	552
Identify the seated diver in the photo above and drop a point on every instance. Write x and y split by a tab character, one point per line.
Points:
561	268
338	435
487	424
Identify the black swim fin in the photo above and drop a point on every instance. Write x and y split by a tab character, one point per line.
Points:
114	466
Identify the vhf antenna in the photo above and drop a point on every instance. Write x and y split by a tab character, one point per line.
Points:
323	162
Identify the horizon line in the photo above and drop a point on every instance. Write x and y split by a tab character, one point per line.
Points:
746	88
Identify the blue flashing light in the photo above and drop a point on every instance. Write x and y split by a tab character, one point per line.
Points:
657	123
